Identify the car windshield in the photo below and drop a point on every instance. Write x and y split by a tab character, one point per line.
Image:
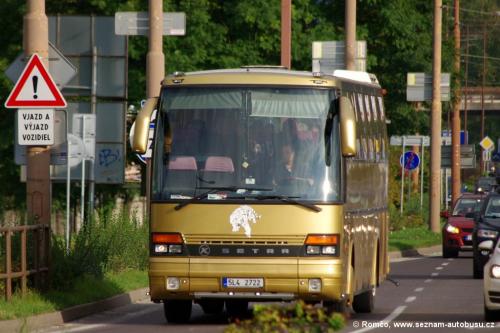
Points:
493	207
245	137
467	205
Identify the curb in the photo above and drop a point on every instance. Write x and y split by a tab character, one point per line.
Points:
46	320
421	252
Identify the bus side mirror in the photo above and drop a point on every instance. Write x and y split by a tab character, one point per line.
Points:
347	127
141	134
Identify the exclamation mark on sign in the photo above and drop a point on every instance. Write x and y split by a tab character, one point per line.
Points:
35	86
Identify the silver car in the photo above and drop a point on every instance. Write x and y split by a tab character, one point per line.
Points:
491	281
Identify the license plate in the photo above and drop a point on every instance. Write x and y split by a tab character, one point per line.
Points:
468	238
242	283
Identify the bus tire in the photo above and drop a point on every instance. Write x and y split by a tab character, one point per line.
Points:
236	308
177	311
364	302
212	306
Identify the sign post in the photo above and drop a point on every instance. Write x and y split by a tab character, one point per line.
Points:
411	160
488	145
35	95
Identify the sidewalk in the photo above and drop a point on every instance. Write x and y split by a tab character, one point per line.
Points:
45	320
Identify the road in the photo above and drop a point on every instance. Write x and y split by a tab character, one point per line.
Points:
432	292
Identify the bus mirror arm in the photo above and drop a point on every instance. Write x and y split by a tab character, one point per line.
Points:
332	112
140	140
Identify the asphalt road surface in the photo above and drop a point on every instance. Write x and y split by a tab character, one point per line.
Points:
434	295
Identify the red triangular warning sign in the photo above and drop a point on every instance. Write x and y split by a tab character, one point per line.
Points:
35	88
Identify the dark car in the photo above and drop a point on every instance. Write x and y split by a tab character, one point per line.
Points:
485	184
457	231
487	227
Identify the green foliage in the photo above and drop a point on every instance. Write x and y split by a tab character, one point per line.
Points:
83	289
295	317
113	244
413	238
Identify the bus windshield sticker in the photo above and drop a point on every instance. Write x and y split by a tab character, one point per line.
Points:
180	196
241	217
216	196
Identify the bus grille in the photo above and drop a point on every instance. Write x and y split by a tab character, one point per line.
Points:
243	240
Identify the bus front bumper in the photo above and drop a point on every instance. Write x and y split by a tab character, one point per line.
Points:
283	278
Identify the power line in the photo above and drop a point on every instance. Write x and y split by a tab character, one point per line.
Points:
496	13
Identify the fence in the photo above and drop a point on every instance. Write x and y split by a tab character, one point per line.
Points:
40	262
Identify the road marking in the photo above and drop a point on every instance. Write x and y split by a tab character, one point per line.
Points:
451	259
419	290
439	268
394	314
428	281
410	299
445	264
85	327
434	274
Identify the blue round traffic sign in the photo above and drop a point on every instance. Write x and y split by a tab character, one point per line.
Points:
409	160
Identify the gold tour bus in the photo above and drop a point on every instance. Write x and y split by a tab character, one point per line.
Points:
266	185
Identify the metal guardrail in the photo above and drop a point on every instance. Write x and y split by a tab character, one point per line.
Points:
41	248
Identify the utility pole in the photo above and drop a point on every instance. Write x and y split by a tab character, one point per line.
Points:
466	77
155	69
455	130
286	33
435	190
350	34
482	93
38	186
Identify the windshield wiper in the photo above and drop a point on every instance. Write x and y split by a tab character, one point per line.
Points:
212	189
289	199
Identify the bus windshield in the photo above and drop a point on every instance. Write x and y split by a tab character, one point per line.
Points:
247	139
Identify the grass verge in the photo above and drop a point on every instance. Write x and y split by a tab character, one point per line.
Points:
413	238
85	289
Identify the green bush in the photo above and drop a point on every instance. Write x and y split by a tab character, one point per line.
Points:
112	244
296	317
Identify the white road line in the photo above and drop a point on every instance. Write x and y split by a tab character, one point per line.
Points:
450	259
394	314
428	281
439	268
445	264
419	290
434	274
410	299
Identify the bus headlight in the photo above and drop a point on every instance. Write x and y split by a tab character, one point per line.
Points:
312	249
176	248
328	250
161	248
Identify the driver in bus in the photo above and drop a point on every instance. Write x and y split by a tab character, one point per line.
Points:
286	171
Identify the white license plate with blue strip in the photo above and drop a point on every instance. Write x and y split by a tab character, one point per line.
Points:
242	282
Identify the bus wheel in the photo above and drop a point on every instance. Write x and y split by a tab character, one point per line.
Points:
177	311
212	306
236	308
363	303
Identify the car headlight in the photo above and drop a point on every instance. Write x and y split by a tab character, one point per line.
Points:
495	271
452	229
485	233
